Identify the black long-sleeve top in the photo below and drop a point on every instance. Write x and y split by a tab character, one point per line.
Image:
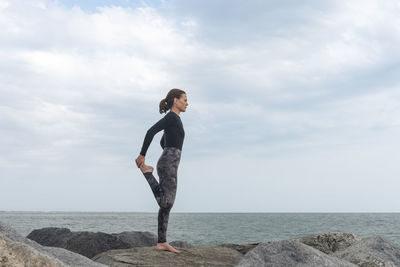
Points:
173	132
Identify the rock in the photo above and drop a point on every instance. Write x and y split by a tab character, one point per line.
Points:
329	242
90	244
242	248
289	253
371	251
13	253
51	236
137	238
57	254
149	256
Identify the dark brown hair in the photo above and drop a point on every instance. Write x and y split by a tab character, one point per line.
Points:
168	101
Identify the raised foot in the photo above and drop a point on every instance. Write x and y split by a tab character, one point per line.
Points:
146	168
166	246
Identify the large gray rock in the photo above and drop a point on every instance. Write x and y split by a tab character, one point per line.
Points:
13	253
372	251
90	244
329	242
66	257
137	238
287	253
150	256
51	236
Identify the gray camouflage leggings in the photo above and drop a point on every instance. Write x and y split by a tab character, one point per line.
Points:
165	190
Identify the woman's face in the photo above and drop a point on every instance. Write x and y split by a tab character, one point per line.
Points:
181	103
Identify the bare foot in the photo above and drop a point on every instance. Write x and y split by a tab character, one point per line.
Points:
146	168
166	246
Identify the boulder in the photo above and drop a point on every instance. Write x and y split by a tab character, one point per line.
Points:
90	244
371	251
329	242
137	238
13	253
13	242
289	253
150	256
51	236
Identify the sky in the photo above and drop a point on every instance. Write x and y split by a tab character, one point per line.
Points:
294	106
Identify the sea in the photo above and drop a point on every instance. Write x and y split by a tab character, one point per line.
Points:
213	228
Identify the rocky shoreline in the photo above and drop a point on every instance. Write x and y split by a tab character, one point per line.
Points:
54	246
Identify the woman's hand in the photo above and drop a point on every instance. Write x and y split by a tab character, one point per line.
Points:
140	160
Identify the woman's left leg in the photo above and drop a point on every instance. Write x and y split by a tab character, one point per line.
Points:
167	169
165	197
165	190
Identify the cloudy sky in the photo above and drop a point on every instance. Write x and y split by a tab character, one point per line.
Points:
294	106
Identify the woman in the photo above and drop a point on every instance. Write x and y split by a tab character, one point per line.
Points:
167	165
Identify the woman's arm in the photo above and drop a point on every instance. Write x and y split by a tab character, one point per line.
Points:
160	125
162	141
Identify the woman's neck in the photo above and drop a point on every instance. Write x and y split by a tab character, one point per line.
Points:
176	111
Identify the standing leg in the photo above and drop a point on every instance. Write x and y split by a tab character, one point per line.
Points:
165	201
163	216
168	188
167	168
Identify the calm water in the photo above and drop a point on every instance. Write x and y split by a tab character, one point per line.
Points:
214	228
